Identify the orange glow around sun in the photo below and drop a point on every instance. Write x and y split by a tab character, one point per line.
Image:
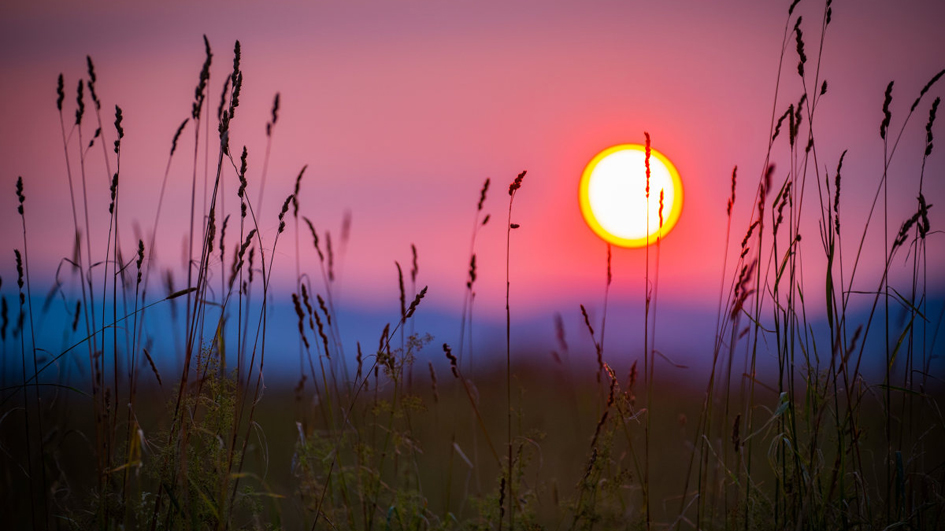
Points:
613	195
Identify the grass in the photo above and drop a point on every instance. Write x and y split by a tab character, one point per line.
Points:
112	444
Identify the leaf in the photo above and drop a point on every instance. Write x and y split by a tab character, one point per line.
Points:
902	390
462	455
902	337
671	362
783	404
908	305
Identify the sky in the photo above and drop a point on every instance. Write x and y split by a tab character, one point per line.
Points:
401	110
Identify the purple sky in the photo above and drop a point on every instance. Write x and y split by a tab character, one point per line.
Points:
402	109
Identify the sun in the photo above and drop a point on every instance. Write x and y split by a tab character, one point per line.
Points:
613	195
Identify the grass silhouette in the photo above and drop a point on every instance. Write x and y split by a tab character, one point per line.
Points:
816	445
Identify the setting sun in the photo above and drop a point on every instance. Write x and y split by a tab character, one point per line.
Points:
613	195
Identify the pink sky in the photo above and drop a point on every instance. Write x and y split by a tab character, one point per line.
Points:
402	109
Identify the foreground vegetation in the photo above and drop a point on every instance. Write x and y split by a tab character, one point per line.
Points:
94	436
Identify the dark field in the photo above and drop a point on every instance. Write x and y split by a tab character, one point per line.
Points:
430	464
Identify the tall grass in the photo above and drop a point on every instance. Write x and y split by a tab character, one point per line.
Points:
814	445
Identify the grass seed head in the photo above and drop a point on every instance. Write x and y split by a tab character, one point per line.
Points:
223	236
887	116
744	245
98	132
19	195
797	118
80	102
646	162
360	359
92	80
385	334
221	115
482	194
241	192
252	256
763	192
324	308
200	93
119	129
904	230
19	275
154	369
321	334
180	130
331	257
610	276
777	127
113	190
301	316
236	59
923	222
60	92
587	321
836	197
799	38
928	126
613	384
211	229
926	88
237	81
140	259
415	303
311	229
782	200
75	318
517	183
308	307
453	361
661	226
275	115
295	193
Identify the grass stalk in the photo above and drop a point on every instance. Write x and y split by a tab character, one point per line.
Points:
514	187
24	271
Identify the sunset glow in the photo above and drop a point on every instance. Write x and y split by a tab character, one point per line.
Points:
321	265
614	201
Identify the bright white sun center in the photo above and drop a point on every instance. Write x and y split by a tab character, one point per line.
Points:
614	197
